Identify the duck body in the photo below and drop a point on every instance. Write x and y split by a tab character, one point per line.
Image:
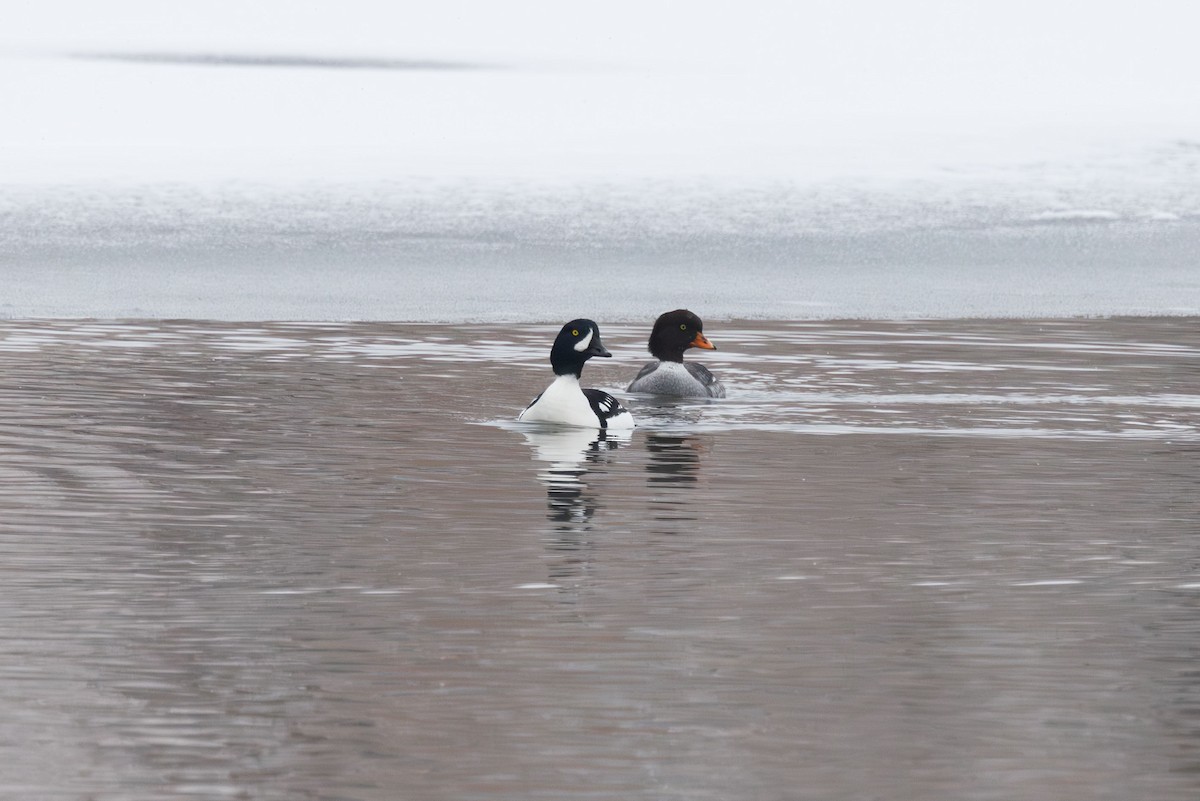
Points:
680	379
673	333
565	402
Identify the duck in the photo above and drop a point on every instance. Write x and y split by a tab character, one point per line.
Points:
564	402
673	333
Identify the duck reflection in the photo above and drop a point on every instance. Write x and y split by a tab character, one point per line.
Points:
674	465
571	503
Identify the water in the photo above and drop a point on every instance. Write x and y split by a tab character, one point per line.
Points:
902	560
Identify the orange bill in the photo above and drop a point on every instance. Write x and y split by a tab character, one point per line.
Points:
701	341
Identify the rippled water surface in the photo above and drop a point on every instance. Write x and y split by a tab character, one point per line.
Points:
318	561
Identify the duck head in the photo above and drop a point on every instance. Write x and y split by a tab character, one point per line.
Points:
578	341
676	331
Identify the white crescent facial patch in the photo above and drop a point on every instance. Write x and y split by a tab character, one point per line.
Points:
584	343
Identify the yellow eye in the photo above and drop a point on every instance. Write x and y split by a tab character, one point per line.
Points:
574	332
683	326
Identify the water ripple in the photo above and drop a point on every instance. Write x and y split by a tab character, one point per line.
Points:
291	560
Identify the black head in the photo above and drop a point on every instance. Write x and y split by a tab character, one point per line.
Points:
578	341
675	332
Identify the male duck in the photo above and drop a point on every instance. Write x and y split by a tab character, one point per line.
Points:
564	402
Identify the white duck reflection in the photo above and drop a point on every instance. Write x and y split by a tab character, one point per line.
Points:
561	445
569	454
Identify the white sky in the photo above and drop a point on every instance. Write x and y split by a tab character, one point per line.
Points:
802	90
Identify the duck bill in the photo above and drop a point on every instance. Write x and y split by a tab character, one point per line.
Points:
701	341
597	349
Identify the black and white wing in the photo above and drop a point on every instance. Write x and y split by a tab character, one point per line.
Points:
604	405
706	379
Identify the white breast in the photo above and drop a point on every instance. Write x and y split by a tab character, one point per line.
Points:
564	403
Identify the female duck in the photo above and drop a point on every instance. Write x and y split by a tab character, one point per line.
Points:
564	402
673	333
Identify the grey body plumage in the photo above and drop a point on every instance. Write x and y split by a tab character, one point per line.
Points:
673	333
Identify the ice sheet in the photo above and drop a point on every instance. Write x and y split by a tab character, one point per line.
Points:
471	162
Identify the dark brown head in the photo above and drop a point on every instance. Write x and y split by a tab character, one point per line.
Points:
675	332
